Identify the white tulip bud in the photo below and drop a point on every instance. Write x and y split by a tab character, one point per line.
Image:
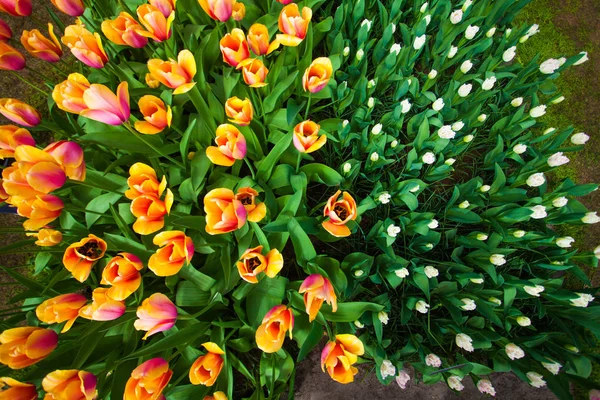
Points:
454	383
359	324
482	236
467	4
539	212
347	167
509	54
452	52
367	23
583	58
434	224
419	42
516	102
564	242
432	74
424	7
371	102
489	83
438	104
471	32
394	144
468	138
491	32
428	158
465	89
371	84
464	204
520	148
393	230
457	126
360	54
560	202
431	271
495	300
533	30
358	273
402	273
427	19
345	123
582	301
535	379
538	111
498	259
508	32
553	368
464	342
466	66
513	351
376	130
550	66
558	159
450	161
346	51
395	48
534	290
422	307
590	218
519	233
482	117
406	106
523	320
536	180
557	100
374	157
485	188
579	138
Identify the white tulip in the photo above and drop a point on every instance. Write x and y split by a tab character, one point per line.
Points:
374	157
534	290
419	42
519	233
482	236
433	360
360	54
464	204
346	51
495	300
393	230
536	180
520	148
358	273
482	117
582	301
489	83
456	16
367	23
558	100
402	273
438	104
414	189
446	132
491	32
371	84
597	252
431	271
553	367
560	202
538	111
452	52
422	307
579	138
548	131
434	224
465	89
428	158
424	7
402	379
383	318
454	383
394	144
533	30
498	259
347	167
550	66
432	74
466	66
384	197
583	59
457	126
464	342
557	159
471	32
590	218
371	102
514	352
485	188
359	324
387	369
564	242
516	102
468	304
406	106
535	379
539	212
345	123
523	321
509	54
450	161
485	387
376	130
395	48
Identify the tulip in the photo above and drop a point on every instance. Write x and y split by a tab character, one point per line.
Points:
69	156
19	112
293	25
15	184
122	273
85	46
238	11
142	180
234	47
307	138
25	346
176	250
68	95
176	75
40	211
219	10
40	169
252	263
70	385
103	308
148	380
339	213
157	116
239	111
224	213
106	107
41	47
317	289
74	8
150	212
254	72
11	137
60	309
47	237
231	146
339	356
317	75
271	333
16	8
206	368
125	31
156	314
10	58
254	212
258	40
80	257
216	396
11	389
5	34
151	81
157	25
166	7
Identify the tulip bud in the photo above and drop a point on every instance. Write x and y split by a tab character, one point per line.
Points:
394	144
516	102
239	11
466	66
377	129
359	54
485	188
452	52
347	167
346	51
374	157
74	8
464	204
432	74
10	58
491	32
482	117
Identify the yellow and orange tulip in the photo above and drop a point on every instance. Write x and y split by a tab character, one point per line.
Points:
11	389
158	27
150	212
339	213
271	333
219	10
148	380
317	75
10	58
39	46
5	34
63	308
216	396
74	8
142	180
176	250
223	212
122	273
254	72
151	81
234	47
206	369
125	31
239	111
102	308
258	40
307	138
156	314
39	210
70	384
16	8
16	186
231	146
254	212
80	257
157	116
68	95
69	155
25	346
252	263
47	237
293	25
338	357
166	7
85	46
105	106
317	289
239	11
11	137
176	75
40	169
19	112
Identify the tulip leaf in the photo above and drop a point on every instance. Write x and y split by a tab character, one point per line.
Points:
321	173
303	247
267	293
184	144
267	164
116	242
191	274
272	99
100	205
349	312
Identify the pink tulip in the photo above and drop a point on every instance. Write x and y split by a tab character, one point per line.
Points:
156	314
104	106
5	31
20	113
69	156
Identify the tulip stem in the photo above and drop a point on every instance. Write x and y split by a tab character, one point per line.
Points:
250	167
308	106
298	162
31	84
141	138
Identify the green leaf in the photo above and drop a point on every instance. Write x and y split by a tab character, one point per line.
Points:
303	247
184	145
181	337
267	293
267	164
311	341
120	243
191	274
100	205
322	174
272	99
349	312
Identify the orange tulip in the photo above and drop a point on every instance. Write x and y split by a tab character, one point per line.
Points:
40	210
60	309
16	186
85	46
150	212
206	369
16	8
293	25
142	180
176	250
157	116
5	34
41	47
247	196
68	95
218	9
271	333
307	138
339	356
216	396
148	380
239	111
80	257
25	346
40	169
125	31
74	8
223	212
258	40
317	75
339	213
47	237
176	75
69	156
317	289
234	47
19	112
152	82
123	274
239	11
252	263
231	146
103	308
11	389
156	314
158	26
11	137
70	385
166	7
254	72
